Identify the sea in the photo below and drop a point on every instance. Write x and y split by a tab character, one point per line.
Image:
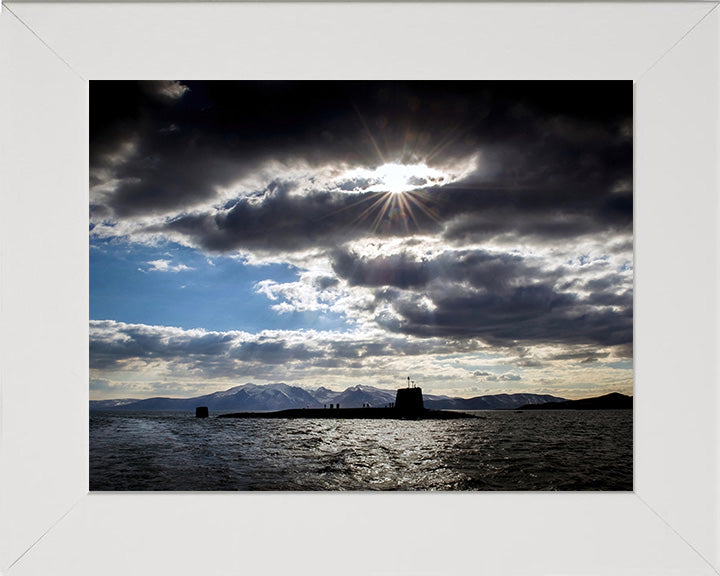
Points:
496	450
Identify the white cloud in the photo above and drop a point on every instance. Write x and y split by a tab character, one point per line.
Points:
166	266
133	358
169	89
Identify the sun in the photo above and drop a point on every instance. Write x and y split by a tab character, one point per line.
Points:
396	178
396	194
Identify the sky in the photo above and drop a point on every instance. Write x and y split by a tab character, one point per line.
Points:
475	236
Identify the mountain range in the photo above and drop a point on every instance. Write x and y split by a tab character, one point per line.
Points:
612	401
280	396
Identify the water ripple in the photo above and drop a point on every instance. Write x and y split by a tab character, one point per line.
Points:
567	450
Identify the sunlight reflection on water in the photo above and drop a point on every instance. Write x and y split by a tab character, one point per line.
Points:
565	450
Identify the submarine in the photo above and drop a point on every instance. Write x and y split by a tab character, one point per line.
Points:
408	405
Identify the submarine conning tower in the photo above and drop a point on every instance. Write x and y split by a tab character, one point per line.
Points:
409	400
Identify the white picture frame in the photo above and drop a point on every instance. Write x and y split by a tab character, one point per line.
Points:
50	524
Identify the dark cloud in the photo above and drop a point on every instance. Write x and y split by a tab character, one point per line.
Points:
554	169
219	354
582	356
500	298
113	342
347	349
278	219
398	270
525	314
272	352
542	214
325	282
551	157
478	269
530	363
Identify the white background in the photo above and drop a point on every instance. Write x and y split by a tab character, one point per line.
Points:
48	522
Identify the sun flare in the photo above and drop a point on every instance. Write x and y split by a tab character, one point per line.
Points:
401	194
397	178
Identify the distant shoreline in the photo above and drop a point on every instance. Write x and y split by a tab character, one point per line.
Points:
281	396
354	414
613	401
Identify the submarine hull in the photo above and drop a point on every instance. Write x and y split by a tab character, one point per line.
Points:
354	413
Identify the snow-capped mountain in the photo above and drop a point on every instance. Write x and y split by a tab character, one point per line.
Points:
489	402
357	396
247	397
280	396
